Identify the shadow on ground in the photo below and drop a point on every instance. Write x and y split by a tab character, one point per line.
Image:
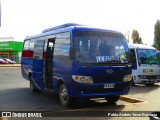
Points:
21	99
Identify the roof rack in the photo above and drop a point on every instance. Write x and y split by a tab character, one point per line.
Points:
60	27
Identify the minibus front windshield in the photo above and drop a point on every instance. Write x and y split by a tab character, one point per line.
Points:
100	47
148	56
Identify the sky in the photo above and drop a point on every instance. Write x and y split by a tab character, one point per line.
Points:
21	18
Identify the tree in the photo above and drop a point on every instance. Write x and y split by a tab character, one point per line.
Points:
156	43
136	38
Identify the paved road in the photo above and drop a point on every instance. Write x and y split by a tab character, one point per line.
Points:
16	96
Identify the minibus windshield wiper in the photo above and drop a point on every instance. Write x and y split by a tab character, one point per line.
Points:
114	61
124	61
104	62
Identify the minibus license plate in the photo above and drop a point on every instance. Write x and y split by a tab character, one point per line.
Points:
109	85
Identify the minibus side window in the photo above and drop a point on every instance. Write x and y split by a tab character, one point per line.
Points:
26	45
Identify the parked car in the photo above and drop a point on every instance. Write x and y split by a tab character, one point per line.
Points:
9	61
3	61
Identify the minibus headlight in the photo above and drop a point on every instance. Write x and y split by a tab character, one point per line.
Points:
82	79
127	78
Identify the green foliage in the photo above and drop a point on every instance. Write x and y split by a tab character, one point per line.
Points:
156	43
136	38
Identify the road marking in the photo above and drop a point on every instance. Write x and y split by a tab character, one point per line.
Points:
131	100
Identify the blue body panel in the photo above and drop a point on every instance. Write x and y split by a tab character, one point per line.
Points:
26	67
37	73
99	73
33	67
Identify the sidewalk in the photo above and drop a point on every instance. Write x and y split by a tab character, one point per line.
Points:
10	65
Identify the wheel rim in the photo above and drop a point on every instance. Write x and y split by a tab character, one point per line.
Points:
63	96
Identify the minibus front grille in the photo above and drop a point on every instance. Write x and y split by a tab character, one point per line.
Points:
151	77
107	80
147	76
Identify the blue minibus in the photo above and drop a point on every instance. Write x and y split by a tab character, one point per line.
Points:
78	61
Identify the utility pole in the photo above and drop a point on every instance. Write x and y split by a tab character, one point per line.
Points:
127	35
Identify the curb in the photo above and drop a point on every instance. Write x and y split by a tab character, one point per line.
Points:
10	65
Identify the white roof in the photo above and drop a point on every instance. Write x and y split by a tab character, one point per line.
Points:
141	46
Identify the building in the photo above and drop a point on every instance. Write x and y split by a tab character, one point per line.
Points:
11	50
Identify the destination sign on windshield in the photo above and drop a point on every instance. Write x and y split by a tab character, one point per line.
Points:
107	58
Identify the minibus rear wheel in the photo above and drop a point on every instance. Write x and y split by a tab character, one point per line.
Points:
112	99
64	98
33	88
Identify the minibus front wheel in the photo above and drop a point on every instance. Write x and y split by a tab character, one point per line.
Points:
150	84
64	98
112	99
132	82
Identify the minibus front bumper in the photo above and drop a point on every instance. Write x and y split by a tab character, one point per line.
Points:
99	90
148	81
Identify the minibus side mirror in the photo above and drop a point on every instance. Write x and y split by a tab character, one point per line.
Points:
72	54
132	57
159	54
143	60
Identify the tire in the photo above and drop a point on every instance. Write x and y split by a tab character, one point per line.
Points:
33	88
64	98
150	84
112	99
133	84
